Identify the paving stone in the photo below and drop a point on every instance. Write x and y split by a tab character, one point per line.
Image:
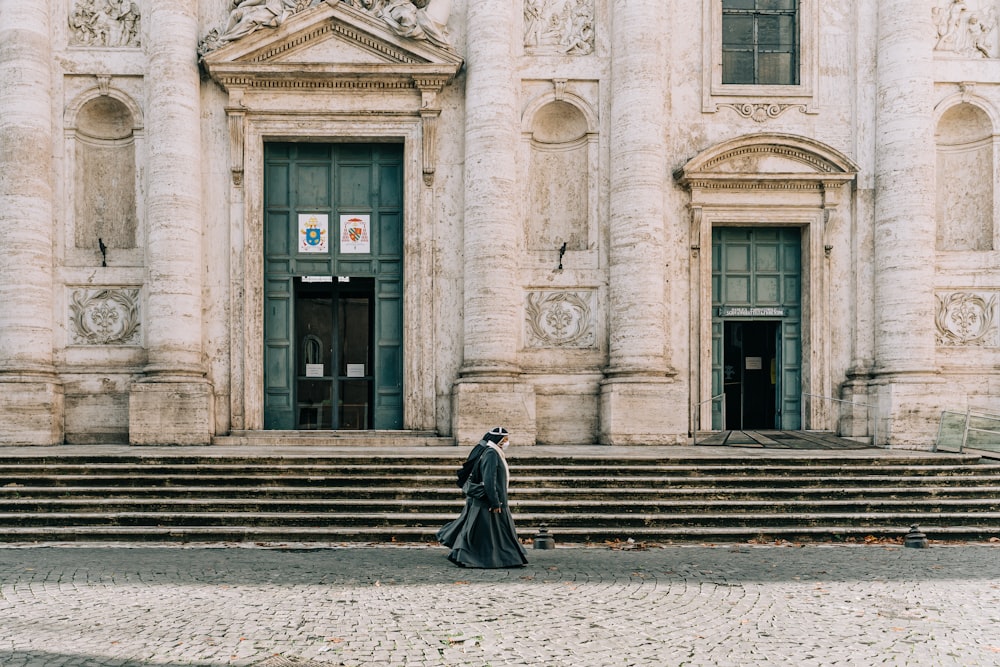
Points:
211	605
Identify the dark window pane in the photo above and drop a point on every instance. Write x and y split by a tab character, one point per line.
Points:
737	31
776	69
776	33
737	67
355	404
760	43
315	408
775	4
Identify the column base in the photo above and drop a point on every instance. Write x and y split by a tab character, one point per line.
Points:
170	413
909	409
32	412
643	411
485	403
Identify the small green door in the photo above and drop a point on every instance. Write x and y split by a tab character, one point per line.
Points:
333	307
756	327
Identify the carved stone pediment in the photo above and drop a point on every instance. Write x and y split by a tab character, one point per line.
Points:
336	48
332	45
767	160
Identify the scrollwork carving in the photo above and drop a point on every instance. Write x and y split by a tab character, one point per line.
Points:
560	319
105	316
966	319
762	111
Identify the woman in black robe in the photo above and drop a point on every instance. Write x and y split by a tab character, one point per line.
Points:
483	535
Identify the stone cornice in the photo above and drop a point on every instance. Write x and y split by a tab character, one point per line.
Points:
323	76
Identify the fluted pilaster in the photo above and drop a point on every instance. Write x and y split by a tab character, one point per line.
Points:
31	399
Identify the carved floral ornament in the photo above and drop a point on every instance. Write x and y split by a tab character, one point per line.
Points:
967	28
415	19
105	316
560	319
966	319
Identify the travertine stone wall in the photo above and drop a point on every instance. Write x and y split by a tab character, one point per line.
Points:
904	214
174	382
904	208
565	124
638	167
31	397
490	387
637	389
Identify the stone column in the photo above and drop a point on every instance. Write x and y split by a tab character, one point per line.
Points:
31	395
172	404
904	211
640	403
489	391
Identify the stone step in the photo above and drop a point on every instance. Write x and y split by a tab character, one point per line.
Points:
621	494
372	497
343	535
334	509
556	482
563	520
523	460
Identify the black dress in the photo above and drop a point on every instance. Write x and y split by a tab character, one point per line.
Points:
479	537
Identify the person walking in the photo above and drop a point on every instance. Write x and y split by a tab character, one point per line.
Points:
483	535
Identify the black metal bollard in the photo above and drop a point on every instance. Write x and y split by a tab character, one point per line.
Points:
543	540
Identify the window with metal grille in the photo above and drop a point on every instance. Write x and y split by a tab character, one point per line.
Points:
760	42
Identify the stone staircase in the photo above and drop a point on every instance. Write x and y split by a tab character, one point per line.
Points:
385	496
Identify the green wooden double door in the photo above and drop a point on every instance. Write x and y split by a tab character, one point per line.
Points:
757	327
333	298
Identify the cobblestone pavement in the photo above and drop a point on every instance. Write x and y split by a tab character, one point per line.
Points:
298	606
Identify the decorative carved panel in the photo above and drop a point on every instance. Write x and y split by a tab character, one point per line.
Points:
967	28
104	316
967	319
560	319
559	26
105	23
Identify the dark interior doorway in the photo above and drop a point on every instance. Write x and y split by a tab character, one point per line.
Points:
333	326
750	374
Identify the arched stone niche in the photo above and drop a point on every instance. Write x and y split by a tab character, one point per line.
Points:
775	180
560	138
965	179
103	135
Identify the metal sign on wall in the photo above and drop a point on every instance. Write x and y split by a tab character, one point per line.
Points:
752	311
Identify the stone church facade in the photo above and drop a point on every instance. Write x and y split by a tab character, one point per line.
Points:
591	221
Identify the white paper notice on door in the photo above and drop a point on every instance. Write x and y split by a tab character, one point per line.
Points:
354	234
314	370
754	363
355	370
